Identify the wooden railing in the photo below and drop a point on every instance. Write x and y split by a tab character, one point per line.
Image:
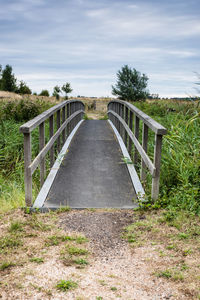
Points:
67	115
124	116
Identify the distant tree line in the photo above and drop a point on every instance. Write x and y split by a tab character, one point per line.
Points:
8	83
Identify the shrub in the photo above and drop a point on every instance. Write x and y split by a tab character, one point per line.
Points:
44	93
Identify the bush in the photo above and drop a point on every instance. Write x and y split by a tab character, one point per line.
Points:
44	93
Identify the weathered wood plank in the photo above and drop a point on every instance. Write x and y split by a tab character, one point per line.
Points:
58	126
41	146
51	133
144	145
130	143
136	133
157	161
126	120
63	121
27	171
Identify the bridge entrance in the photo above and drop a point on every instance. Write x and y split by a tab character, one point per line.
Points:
92	174
93	162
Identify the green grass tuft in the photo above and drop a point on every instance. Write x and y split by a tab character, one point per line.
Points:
65	285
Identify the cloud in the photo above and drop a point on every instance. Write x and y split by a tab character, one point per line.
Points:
86	42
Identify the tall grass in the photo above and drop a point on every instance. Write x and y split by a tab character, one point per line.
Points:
180	173
180	169
12	115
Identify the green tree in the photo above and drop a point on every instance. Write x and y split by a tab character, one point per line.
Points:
44	93
131	85
67	89
23	88
7	80
56	92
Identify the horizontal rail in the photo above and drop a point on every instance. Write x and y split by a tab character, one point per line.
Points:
143	154
50	143
32	124
152	124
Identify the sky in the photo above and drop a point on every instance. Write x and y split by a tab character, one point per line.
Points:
85	42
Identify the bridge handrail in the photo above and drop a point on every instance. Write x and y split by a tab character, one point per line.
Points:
68	114
32	124
151	123
122	114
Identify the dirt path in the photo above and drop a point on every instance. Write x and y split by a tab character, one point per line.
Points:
53	247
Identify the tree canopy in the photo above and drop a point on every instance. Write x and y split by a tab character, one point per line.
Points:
67	89
7	79
131	85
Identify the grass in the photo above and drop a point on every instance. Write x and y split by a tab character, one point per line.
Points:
72	250
65	285
180	171
6	265
174	237
37	260
179	186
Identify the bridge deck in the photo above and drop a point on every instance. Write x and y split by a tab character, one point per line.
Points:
92	173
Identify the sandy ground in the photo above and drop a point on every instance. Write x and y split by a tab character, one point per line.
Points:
115	270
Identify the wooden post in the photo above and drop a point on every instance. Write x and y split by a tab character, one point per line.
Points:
51	132
63	120
144	145
68	114
130	144
58	126
41	146
118	112
121	107
157	161
125	133
27	171
136	133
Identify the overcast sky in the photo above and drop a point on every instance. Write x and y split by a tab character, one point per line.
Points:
86	42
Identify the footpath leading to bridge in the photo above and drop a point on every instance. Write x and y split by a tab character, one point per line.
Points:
92	173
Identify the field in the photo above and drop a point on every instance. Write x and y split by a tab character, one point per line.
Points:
157	246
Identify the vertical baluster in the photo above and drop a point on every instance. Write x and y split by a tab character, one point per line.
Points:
144	145
27	171
51	132
63	120
41	146
157	161
136	133
121	115
68	114
58	126
125	133
130	144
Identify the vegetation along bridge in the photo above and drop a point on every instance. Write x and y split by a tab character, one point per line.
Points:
92	163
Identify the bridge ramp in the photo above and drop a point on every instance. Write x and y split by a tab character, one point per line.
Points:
92	174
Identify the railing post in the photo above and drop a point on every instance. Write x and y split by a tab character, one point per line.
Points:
27	171
118	112
68	114
126	120
63	120
51	132
136	133
41	146
58	126
130	144
157	161
144	145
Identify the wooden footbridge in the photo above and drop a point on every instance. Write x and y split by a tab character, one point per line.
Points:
92	163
